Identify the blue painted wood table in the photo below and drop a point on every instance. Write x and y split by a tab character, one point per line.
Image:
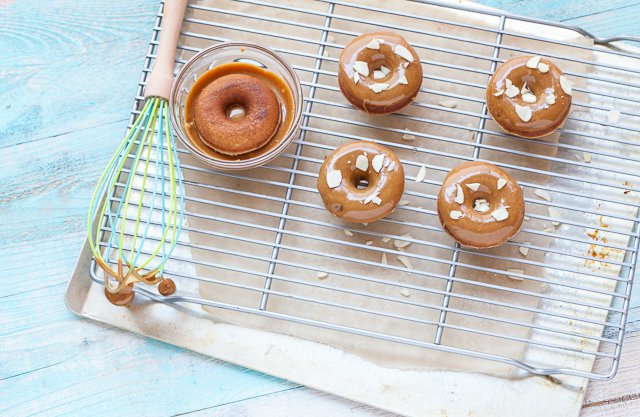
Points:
68	71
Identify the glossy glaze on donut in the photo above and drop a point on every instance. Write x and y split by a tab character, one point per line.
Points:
383	175
543	80
377	50
284	109
469	221
236	136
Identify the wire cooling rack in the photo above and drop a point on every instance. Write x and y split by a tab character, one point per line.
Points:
264	245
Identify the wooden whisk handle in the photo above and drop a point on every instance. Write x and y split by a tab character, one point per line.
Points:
161	78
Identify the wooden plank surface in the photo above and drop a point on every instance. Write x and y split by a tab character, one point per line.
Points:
68	72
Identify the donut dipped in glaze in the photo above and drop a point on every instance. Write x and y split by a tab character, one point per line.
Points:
361	182
236	134
529	96
480	205
379	73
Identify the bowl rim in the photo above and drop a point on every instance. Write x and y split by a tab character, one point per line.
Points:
257	161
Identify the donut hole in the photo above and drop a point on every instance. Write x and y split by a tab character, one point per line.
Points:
236	112
481	205
361	183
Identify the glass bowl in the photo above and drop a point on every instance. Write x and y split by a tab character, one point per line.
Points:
224	53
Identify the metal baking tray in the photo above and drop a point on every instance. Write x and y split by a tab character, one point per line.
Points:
259	252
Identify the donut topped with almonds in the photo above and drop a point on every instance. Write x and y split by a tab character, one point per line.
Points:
529	96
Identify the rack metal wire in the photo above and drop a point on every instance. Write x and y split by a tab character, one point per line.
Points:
569	291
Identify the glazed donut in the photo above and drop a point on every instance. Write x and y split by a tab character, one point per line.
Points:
529	96
480	205
250	130
379	73
355	164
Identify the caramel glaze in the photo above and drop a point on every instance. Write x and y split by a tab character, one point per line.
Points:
166	287
545	118
397	95
474	229
241	134
347	200
279	87
122	297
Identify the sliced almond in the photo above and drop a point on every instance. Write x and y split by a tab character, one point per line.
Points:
399	243
544	68
451	104
378	87
377	161
459	194
405	261
348	232
533	62
527	218
373	198
408	136
524	251
403	52
386	239
512	91
473	186
548	230
554	213
422	173
499	92
378	75
361	68
551	99
481	205
383	259
404	202
508	83
384	70
529	98
500	214
362	163
374	44
501	183
543	194
356	77
403	80
322	275
512	271
587	157
613	116
368	243
405	292
524	113
334	178
565	84
455	214
525	89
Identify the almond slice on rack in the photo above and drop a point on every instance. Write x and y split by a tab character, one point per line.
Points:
524	250
408	136
405	292
386	239
322	275
404	203
512	271
405	261
400	244
543	194
383	259
450	104
348	232
422	173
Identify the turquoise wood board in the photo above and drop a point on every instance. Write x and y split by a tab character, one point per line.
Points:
68	73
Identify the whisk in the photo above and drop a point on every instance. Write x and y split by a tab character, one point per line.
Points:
140	193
